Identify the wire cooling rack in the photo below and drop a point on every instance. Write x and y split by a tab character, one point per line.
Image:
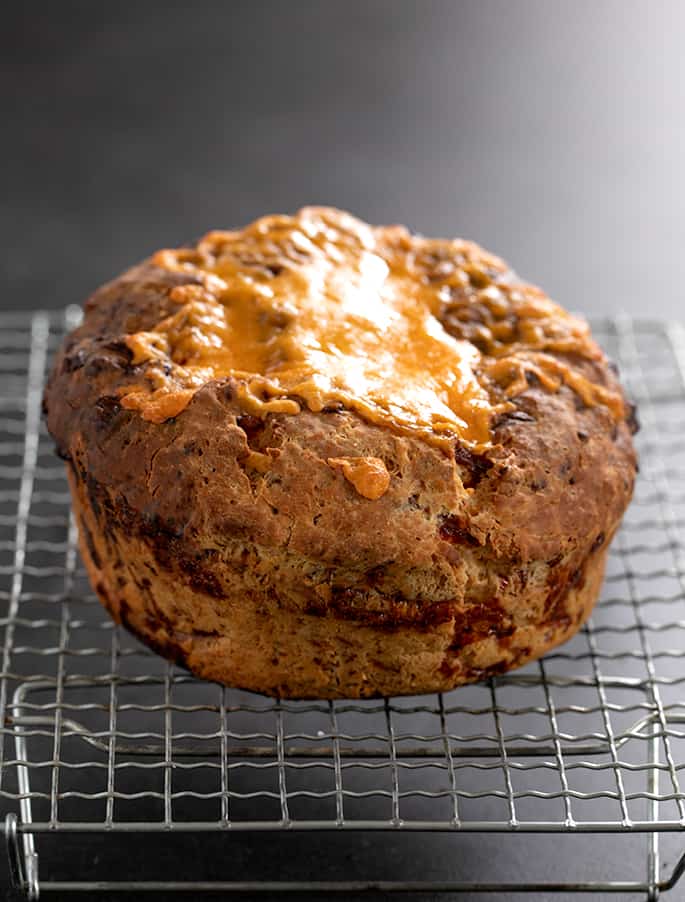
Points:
100	736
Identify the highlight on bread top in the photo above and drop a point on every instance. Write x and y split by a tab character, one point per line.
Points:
317	458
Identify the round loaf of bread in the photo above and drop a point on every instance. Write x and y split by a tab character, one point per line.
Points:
315	458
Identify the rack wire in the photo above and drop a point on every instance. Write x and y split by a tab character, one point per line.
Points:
100	736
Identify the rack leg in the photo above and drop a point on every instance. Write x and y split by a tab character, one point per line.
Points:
676	874
654	890
23	859
653	838
656	886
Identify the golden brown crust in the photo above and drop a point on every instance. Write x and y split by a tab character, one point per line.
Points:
217	531
249	637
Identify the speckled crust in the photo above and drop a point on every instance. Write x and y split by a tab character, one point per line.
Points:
284	579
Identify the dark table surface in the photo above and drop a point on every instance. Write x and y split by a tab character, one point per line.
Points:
551	132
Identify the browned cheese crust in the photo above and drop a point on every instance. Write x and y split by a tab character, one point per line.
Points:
230	543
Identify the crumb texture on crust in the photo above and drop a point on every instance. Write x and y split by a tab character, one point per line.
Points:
245	634
378	560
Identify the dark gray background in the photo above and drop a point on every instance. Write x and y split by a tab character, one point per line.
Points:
552	132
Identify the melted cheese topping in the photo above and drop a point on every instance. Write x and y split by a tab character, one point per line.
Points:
320	310
367	474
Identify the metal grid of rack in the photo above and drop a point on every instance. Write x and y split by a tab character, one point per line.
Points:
100	735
